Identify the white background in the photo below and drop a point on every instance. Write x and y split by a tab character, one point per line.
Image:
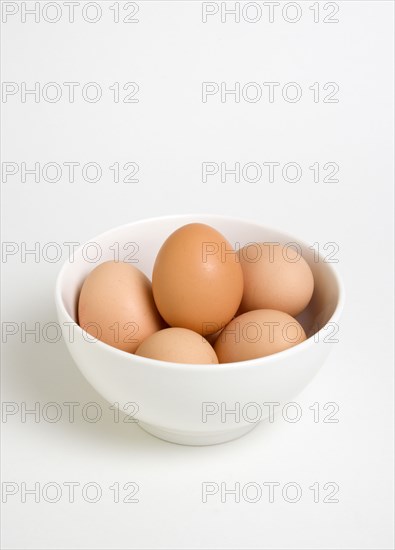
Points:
170	132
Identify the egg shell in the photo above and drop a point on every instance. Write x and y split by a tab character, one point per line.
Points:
211	338
258	334
275	277
197	281
117	307
178	345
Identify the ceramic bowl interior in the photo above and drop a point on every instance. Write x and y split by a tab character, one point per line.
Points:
140	242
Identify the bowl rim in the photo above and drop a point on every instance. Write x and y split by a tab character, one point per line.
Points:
260	362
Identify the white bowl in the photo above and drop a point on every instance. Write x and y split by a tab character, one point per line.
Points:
185	403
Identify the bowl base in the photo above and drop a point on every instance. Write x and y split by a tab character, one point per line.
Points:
196	438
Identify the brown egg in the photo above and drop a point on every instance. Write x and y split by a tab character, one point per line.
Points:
211	338
116	306
178	345
258	334
197	280
275	277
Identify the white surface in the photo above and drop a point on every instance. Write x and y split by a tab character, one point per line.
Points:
169	133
